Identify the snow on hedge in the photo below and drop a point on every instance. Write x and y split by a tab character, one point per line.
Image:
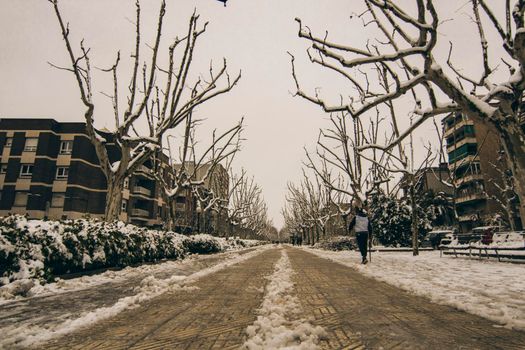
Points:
278	325
33	252
489	289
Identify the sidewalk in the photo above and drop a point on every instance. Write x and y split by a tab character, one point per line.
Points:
359	312
214	315
355	311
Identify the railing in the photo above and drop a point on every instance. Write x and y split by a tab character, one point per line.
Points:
143	169
470	197
139	212
453	128
469	178
469	139
142	190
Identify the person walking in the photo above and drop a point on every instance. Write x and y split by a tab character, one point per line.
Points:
362	227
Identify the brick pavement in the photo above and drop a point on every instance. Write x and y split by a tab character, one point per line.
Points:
214	316
357	312
361	313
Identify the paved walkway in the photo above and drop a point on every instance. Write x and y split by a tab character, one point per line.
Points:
357	313
43	310
213	316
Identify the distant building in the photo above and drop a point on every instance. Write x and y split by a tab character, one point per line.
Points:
50	169
434	179
474	152
189	211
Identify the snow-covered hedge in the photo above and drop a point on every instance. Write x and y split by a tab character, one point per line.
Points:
338	243
37	249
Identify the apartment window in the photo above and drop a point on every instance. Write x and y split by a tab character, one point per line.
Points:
62	173
26	170
9	142
3	168
126	182
20	199
31	144
66	147
58	200
124	206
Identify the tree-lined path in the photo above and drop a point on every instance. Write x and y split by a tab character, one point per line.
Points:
356	312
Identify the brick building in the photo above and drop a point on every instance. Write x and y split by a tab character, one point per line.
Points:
474	152
50	169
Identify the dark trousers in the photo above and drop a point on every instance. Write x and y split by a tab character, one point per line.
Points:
362	242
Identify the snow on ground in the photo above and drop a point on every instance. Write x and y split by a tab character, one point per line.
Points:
489	289
137	285
279	325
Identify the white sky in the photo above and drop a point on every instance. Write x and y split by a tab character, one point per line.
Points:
253	35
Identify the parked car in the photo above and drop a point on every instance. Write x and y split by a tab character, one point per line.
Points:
433	238
447	239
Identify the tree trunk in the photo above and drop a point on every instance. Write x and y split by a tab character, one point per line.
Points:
512	140
114	198
414	216
345	222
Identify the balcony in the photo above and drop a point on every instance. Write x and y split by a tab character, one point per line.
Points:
136	212
469	178
456	127
144	170
469	197
469	159
459	143
141	190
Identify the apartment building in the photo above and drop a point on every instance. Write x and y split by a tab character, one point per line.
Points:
189	211
476	162
50	169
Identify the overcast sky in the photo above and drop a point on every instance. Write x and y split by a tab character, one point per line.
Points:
254	36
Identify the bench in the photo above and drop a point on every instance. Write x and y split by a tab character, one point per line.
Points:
503	245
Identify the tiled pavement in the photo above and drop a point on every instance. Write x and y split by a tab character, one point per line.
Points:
214	316
361	313
357	313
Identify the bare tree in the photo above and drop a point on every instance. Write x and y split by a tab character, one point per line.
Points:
245	206
195	172
405	47
309	208
160	107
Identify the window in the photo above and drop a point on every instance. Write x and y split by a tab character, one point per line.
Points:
3	168
8	142
31	144
126	183
20	199
58	200
62	173
124	206
26	170
66	147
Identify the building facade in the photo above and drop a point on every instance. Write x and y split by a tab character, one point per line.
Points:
50	169
190	212
477	164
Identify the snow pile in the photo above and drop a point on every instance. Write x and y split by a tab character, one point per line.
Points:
33	252
23	335
488	289
278	326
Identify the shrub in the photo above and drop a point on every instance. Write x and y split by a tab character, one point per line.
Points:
338	243
41	250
